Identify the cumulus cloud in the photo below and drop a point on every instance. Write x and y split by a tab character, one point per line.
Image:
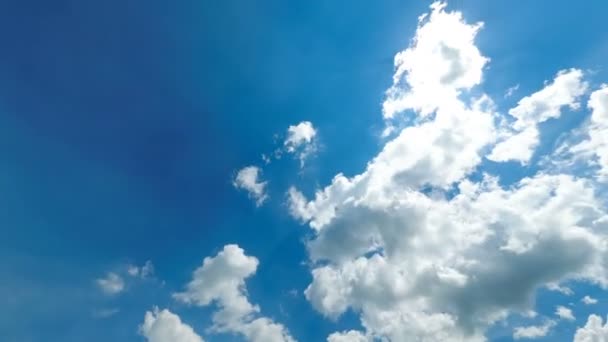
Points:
564	313
415	247
522	138
441	62
165	326
594	331
594	147
533	331
249	179
221	280
348	336
112	284
587	300
300	140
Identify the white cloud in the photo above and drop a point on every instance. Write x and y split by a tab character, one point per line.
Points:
565	90
594	331
519	146
564	313
589	300
441	62
248	179
534	331
594	148
144	271
561	289
221	280
348	336
112	284
521	140
165	326
300	140
423	265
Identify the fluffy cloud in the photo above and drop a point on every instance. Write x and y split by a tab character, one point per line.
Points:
416	248
589	300
442	62
112	284
522	138
533	331
347	336
165	326
564	313
221	280
248	179
593	331
300	140
594	148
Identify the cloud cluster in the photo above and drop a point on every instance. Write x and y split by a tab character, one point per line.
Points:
421	250
221	280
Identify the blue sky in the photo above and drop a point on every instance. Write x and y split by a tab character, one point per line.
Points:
124	128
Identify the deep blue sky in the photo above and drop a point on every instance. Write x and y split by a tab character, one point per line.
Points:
122	123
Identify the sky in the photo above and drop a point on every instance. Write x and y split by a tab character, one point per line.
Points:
272	171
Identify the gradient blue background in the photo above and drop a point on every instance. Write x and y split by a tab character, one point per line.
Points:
122	123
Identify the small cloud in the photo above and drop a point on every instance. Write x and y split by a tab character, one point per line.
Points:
112	284
561	289
145	271
301	140
248	179
589	300
564	313
533	331
105	313
511	91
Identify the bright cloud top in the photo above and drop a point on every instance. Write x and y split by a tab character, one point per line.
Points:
594	331
165	326
593	150
221	280
442	62
300	140
522	137
417	262
248	179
